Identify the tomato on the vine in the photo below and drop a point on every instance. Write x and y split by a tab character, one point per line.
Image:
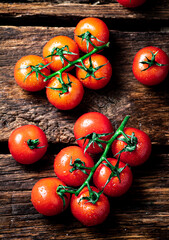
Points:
45	198
72	166
97	74
88	213
131	3
61	98
150	65
91	29
30	72
27	144
93	123
60	50
140	142
121	178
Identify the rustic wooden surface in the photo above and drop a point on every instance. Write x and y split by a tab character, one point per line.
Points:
25	27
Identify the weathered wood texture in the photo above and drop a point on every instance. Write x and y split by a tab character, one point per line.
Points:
143	213
154	14
124	95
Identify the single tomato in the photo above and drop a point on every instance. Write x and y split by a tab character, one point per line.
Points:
140	146
89	123
131	3
65	100
92	30
72	166
118	185
27	144
30	72
60	50
87	213
150	66
45	198
97	72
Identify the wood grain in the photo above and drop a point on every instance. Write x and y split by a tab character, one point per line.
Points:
154	14
124	95
140	214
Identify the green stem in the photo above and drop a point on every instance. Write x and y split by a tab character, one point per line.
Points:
79	60
103	157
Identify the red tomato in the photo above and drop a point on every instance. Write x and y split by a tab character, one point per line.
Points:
62	48
68	100
27	144
96	27
141	152
131	3
92	122
63	161
45	199
88	213
115	187
26	76
97	78
153	72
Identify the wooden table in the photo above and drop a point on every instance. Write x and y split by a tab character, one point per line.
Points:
143	213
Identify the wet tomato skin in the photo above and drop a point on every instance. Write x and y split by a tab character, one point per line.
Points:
131	3
19	148
68	100
87	213
116	187
89	123
62	165
155	74
104	73
45	199
96	27
60	42
31	83
140	154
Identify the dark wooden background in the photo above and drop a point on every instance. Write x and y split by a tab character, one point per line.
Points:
25	27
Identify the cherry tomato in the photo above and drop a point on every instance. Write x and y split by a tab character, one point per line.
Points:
131	3
93	78
96	30
150	65
67	100
30	72
60	49
141	152
66	162
116	187
27	144
45	198
87	213
92	122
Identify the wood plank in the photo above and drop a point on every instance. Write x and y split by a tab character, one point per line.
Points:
124	95
139	214
67	14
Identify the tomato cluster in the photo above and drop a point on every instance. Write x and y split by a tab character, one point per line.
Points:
75	167
60	55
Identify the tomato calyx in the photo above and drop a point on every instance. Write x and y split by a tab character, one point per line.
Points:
115	170
60	52
90	70
88	36
93	196
131	141
32	144
65	86
151	62
37	69
94	138
78	165
62	190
